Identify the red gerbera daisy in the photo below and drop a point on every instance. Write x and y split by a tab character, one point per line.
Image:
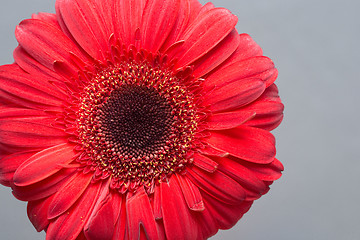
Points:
137	119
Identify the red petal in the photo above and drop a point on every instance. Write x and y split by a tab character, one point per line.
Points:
207	31
6	150
195	8
247	48
121	227
207	225
139	213
157	203
105	9
15	81
47	17
158	20
188	11
208	6
43	188
64	70
81	236
217	185
51	19
104	13
28	134
234	95
10	100
251	144
268	122
61	22
68	194
268	108
26	114
44	42
181	22
256	67
266	172
228	120
210	151
37	213
217	55
191	193
128	15
43	164
271	94
34	68
204	163
9	164
69	225
254	187
225	215
178	222
161	230
105	214
86	25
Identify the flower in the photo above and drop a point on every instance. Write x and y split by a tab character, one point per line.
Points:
131	119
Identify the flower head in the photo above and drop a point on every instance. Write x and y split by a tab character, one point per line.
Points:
130	119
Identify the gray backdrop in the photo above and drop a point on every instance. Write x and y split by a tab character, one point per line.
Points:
315	45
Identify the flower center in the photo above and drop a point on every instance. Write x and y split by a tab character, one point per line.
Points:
136	121
135	124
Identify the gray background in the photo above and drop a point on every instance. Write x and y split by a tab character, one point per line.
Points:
315	45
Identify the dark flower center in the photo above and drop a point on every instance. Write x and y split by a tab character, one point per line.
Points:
136	124
136	120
